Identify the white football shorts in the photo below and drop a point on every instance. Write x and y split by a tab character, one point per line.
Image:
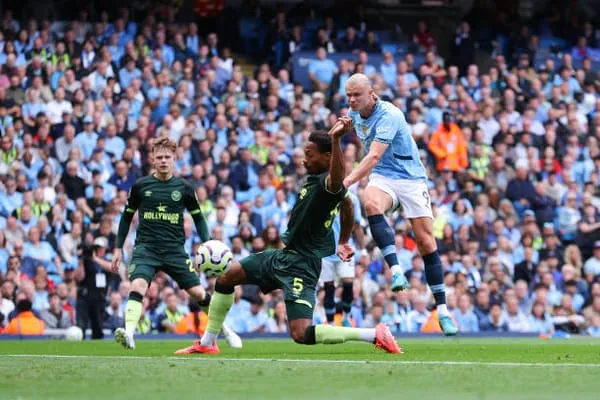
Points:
332	269
412	195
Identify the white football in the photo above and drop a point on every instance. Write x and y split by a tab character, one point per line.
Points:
74	334
214	258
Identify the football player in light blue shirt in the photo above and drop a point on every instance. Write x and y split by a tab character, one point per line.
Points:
333	265
396	177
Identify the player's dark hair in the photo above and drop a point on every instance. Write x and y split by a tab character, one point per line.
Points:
322	140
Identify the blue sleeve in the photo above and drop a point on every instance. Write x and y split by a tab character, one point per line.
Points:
388	126
312	67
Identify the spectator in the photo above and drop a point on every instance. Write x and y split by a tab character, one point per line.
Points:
540	321
257	320
517	321
193	322
591	268
526	269
497	319
54	317
464	315
448	145
278	323
115	312
25	323
122	179
423	38
520	190
416	318
170	318
321	71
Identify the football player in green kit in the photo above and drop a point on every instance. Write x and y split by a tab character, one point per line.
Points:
296	268
160	200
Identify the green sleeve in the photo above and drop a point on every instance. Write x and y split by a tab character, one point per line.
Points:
133	202
191	203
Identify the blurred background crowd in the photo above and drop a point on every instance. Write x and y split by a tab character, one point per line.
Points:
501	98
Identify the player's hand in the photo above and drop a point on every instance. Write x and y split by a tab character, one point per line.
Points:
116	261
345	251
347	121
337	130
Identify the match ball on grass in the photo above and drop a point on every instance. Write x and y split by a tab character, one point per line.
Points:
214	258
74	334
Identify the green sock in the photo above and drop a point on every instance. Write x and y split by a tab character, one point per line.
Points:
326	334
219	307
133	311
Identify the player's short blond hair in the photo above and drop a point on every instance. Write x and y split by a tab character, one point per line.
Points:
164	143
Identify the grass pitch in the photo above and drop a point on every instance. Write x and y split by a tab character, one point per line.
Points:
429	369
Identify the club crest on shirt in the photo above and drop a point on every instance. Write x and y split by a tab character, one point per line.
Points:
148	193
364	129
176	195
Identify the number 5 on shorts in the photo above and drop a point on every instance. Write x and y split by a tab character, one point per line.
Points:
190	265
298	286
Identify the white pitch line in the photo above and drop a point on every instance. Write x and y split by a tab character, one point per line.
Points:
318	361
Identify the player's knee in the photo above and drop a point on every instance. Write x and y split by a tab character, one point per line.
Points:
425	243
223	286
372	207
298	334
139	285
235	276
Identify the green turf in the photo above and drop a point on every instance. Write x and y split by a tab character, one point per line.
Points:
152	372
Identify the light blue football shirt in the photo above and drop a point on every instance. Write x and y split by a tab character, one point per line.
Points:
337	225
387	125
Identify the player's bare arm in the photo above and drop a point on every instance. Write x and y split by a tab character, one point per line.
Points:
344	250
367	164
336	166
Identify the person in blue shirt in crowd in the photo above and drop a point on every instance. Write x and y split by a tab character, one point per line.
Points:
321	70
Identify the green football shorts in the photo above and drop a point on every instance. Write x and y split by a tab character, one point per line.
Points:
285	269
175	262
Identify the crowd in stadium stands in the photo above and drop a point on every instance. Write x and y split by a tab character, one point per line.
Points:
512	151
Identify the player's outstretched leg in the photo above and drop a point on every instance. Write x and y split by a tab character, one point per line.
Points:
423	228
303	332
329	301
219	307
199	294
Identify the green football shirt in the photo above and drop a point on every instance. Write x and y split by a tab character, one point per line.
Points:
160	205
309	229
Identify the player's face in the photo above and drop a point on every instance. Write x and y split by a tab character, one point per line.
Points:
359	96
315	162
163	160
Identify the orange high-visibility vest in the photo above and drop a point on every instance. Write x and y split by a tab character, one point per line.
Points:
26	323
186	324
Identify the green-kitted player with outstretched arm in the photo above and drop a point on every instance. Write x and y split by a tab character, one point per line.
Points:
297	267
160	200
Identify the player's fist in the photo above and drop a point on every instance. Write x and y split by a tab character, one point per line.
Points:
337	130
116	260
345	252
347	121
